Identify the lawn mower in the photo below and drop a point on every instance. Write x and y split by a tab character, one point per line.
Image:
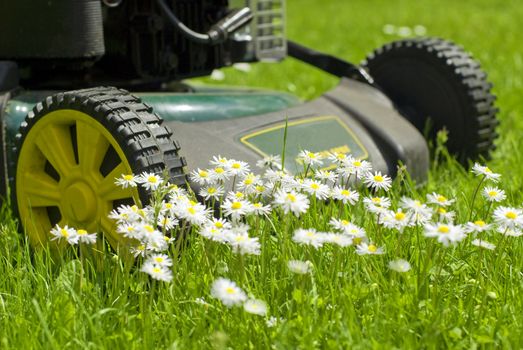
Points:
70	124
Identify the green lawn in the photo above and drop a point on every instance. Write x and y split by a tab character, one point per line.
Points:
459	297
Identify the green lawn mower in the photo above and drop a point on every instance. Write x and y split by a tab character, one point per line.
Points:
70	126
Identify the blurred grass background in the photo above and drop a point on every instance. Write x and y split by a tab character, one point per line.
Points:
350	29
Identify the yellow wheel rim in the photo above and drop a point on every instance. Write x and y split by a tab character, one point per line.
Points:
65	174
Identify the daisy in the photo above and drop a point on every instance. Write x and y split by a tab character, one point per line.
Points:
326	175
195	213
445	215
259	209
219	161
219	174
376	204
214	234
512	232
477	226
291	201
308	237
149	181
378	181
249	183
236	208
85	237
67	233
255	306
269	162
316	188
396	219
125	181
162	260
338	239
399	265
345	195
446	233
480	170
242	244
337	157
299	267
212	192
167	222
508	217
158	272
439	199
310	158
227	292
200	176
493	194
369	249
483	244
339	225
357	166
237	168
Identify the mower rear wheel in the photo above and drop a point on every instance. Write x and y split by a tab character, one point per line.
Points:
71	148
433	81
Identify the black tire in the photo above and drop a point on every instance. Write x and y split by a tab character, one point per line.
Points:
133	129
434	81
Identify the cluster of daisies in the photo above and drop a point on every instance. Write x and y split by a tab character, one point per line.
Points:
230	194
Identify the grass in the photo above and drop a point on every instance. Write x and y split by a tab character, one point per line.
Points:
458	297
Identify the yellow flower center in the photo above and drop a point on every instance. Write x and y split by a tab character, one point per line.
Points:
378	178
357	240
511	215
168	205
239	195
372	248
156	270
218	224
443	229
357	163
311	155
340	156
148	228
64	233
191	210
236	166
248	181
128	177
291	197
344	222
257	205
399	216
345	193
492	193
81	232
203	173
487	170
219	170
441	199
229	290
442	211
159	259
310	234
260	188
211	190
479	223
376	200
152	179
236	205
315	186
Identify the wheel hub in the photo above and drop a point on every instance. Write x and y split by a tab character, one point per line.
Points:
80	202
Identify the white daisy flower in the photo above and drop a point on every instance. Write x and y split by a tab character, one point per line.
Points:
357	166
316	188
212	192
378	181
219	161
167	222
299	267
445	215
368	249
241	243
326	176
345	195
493	194
67	233
255	306
446	233
376	204
310	158
200	176
508	217
160	259
219	174
339	224
215	234
195	213
338	239
396	219
507	231
477	226
249	182
291	201
227	292
158	272
125	181
129	230
236	208
269	162
237	168
86	237
259	209
480	170
138	250
399	265
439	199
483	244
149	181
308	237
337	157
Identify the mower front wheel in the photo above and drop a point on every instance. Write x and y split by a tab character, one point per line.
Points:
71	148
435	83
